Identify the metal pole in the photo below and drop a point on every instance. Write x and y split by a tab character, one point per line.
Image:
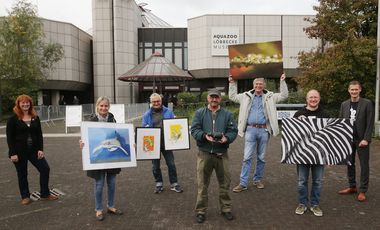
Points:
377	122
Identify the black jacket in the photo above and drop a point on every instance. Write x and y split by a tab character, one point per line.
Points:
364	119
17	134
96	173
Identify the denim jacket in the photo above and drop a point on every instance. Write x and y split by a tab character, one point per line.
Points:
147	119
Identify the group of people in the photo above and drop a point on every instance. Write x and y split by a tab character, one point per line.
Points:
214	129
62	100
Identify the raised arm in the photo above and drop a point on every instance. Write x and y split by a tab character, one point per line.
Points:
283	94
232	91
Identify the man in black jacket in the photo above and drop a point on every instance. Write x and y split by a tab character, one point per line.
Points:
361	111
214	129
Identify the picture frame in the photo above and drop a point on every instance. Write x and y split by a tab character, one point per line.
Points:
118	111
251	60
107	145
73	116
176	133
148	143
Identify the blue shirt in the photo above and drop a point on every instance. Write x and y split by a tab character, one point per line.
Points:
256	113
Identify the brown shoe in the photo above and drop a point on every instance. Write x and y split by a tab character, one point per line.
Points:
348	191
50	198
239	188
361	197
115	211
259	184
99	216
26	201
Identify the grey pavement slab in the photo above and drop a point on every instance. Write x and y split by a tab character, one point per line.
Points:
270	208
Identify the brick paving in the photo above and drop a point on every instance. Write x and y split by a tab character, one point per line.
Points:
270	208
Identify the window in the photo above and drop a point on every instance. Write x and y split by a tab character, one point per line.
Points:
147	53
178	57
159	50
168	44
185	58
168	54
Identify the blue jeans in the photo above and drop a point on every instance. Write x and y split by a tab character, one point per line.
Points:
169	158
99	184
316	187
256	140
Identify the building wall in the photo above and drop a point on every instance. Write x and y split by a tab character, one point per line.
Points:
252	29
115	24
74	71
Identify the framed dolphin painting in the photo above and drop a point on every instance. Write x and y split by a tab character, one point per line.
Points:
107	145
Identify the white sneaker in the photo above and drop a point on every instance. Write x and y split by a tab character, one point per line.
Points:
301	209
316	210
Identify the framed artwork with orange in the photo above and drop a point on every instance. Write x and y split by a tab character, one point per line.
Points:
148	143
253	60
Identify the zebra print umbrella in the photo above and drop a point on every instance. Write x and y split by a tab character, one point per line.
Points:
324	141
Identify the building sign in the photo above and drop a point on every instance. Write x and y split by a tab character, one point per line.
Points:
221	38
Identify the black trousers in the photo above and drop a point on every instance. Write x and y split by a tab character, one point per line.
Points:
363	154
22	173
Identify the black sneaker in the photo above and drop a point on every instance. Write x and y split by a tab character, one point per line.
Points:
228	215
158	189
200	218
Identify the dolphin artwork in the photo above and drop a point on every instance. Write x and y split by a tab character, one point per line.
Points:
113	149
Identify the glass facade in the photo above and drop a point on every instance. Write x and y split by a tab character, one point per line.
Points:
170	42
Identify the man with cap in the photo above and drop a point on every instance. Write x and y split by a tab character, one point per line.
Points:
214	128
257	121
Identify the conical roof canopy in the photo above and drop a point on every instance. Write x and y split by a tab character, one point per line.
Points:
156	69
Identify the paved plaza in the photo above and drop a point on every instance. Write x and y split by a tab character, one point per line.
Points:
270	208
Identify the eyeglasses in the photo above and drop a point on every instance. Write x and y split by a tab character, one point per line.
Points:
155	102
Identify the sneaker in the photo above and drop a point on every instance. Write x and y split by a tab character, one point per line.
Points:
228	215
200	218
258	184
239	188
301	209
316	210
158	189
176	188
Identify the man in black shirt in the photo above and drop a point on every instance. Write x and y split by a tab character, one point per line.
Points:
361	111
311	110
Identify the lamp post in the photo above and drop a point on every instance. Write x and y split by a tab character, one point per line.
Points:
377	101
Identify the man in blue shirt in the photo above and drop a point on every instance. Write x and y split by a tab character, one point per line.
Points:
257	120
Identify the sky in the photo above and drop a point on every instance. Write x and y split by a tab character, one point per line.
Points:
174	12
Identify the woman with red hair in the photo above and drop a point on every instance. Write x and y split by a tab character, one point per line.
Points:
24	137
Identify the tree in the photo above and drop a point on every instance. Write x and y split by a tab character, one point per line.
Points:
25	58
348	31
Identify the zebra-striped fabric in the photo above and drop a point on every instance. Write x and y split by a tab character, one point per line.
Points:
324	141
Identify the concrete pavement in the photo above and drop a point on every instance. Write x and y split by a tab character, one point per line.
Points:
270	208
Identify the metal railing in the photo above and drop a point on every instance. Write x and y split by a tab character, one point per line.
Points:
58	112
132	111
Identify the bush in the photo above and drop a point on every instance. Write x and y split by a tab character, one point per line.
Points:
186	98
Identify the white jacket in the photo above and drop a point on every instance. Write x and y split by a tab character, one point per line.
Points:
269	102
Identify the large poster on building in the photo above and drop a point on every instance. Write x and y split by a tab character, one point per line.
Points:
221	38
253	60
